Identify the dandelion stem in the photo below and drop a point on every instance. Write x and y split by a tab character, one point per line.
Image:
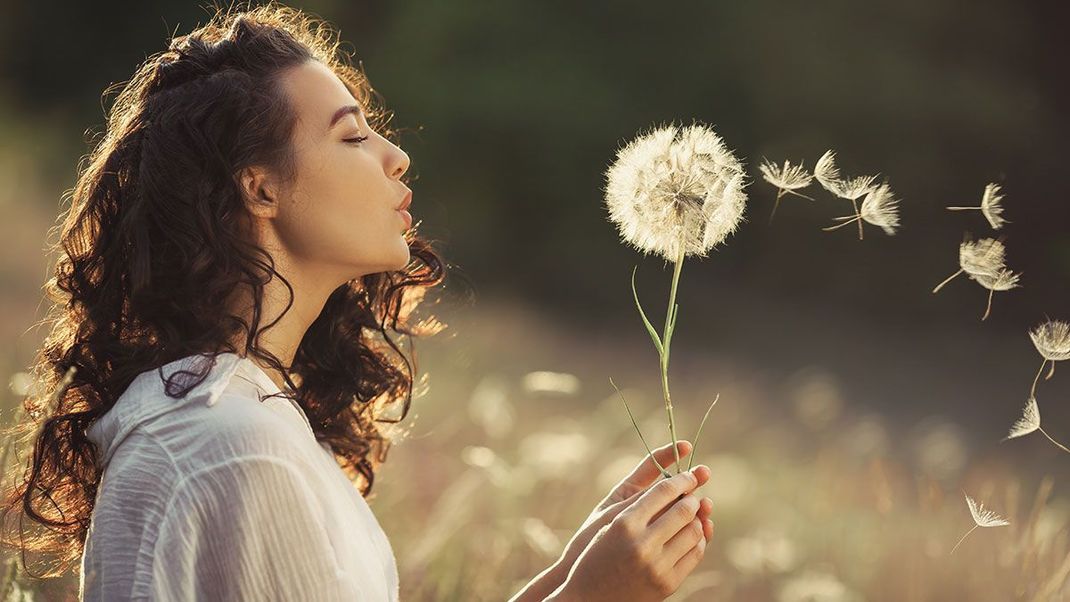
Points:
799	194
664	472
1033	390
1051	372
1059	445
665	356
988	308
847	221
854	203
962	208
949	279
694	446
963	538
779	194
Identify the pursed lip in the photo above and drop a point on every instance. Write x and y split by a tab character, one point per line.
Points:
406	201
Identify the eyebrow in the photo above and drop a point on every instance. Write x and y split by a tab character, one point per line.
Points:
342	112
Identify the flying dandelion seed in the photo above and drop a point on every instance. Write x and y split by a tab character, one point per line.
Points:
1052	340
674	192
1029	422
1004	280
983	262
880	208
826	171
787	179
981	518
990	206
828	175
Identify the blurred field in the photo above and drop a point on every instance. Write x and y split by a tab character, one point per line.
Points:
815	498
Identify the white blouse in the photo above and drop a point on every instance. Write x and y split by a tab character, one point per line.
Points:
219	496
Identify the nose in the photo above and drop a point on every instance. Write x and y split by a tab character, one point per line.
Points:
398	162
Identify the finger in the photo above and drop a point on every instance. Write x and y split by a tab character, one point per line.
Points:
616	508
689	561
645	473
684	511
704	510
661	495
702	472
683	541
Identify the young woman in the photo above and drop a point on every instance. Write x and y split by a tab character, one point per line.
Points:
236	251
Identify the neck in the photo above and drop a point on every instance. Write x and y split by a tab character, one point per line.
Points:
285	335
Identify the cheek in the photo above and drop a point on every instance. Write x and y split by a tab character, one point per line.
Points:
337	220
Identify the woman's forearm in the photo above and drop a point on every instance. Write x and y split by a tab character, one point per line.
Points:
544	584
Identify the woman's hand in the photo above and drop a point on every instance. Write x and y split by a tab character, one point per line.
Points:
646	550
626	492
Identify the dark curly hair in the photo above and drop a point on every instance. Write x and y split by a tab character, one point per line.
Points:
151	251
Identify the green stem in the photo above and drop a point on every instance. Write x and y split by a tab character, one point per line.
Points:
694	446
670	315
649	453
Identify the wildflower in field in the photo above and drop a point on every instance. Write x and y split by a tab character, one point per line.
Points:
828	175
981	518
674	192
990	206
983	261
880	208
788	179
1052	340
1029	422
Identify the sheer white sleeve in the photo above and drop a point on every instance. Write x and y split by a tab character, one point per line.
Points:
248	529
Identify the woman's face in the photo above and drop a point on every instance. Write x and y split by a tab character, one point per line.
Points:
339	219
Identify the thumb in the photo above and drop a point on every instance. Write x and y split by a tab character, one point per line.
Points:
646	473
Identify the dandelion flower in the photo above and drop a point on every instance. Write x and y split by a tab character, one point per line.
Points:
787	179
983	261
828	175
981	518
1052	340
676	191
880	208
990	206
1029	422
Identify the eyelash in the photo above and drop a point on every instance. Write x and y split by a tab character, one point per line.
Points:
356	141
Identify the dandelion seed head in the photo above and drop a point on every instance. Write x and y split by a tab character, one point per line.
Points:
788	177
676	186
983	517
1003	280
985	257
828	175
1052	340
991	208
853	188
826	171
881	208
1029	422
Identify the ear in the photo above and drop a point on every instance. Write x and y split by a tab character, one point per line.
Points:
258	190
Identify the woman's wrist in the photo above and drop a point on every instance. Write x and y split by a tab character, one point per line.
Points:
545	585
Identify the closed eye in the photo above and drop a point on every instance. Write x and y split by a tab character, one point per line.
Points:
356	141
